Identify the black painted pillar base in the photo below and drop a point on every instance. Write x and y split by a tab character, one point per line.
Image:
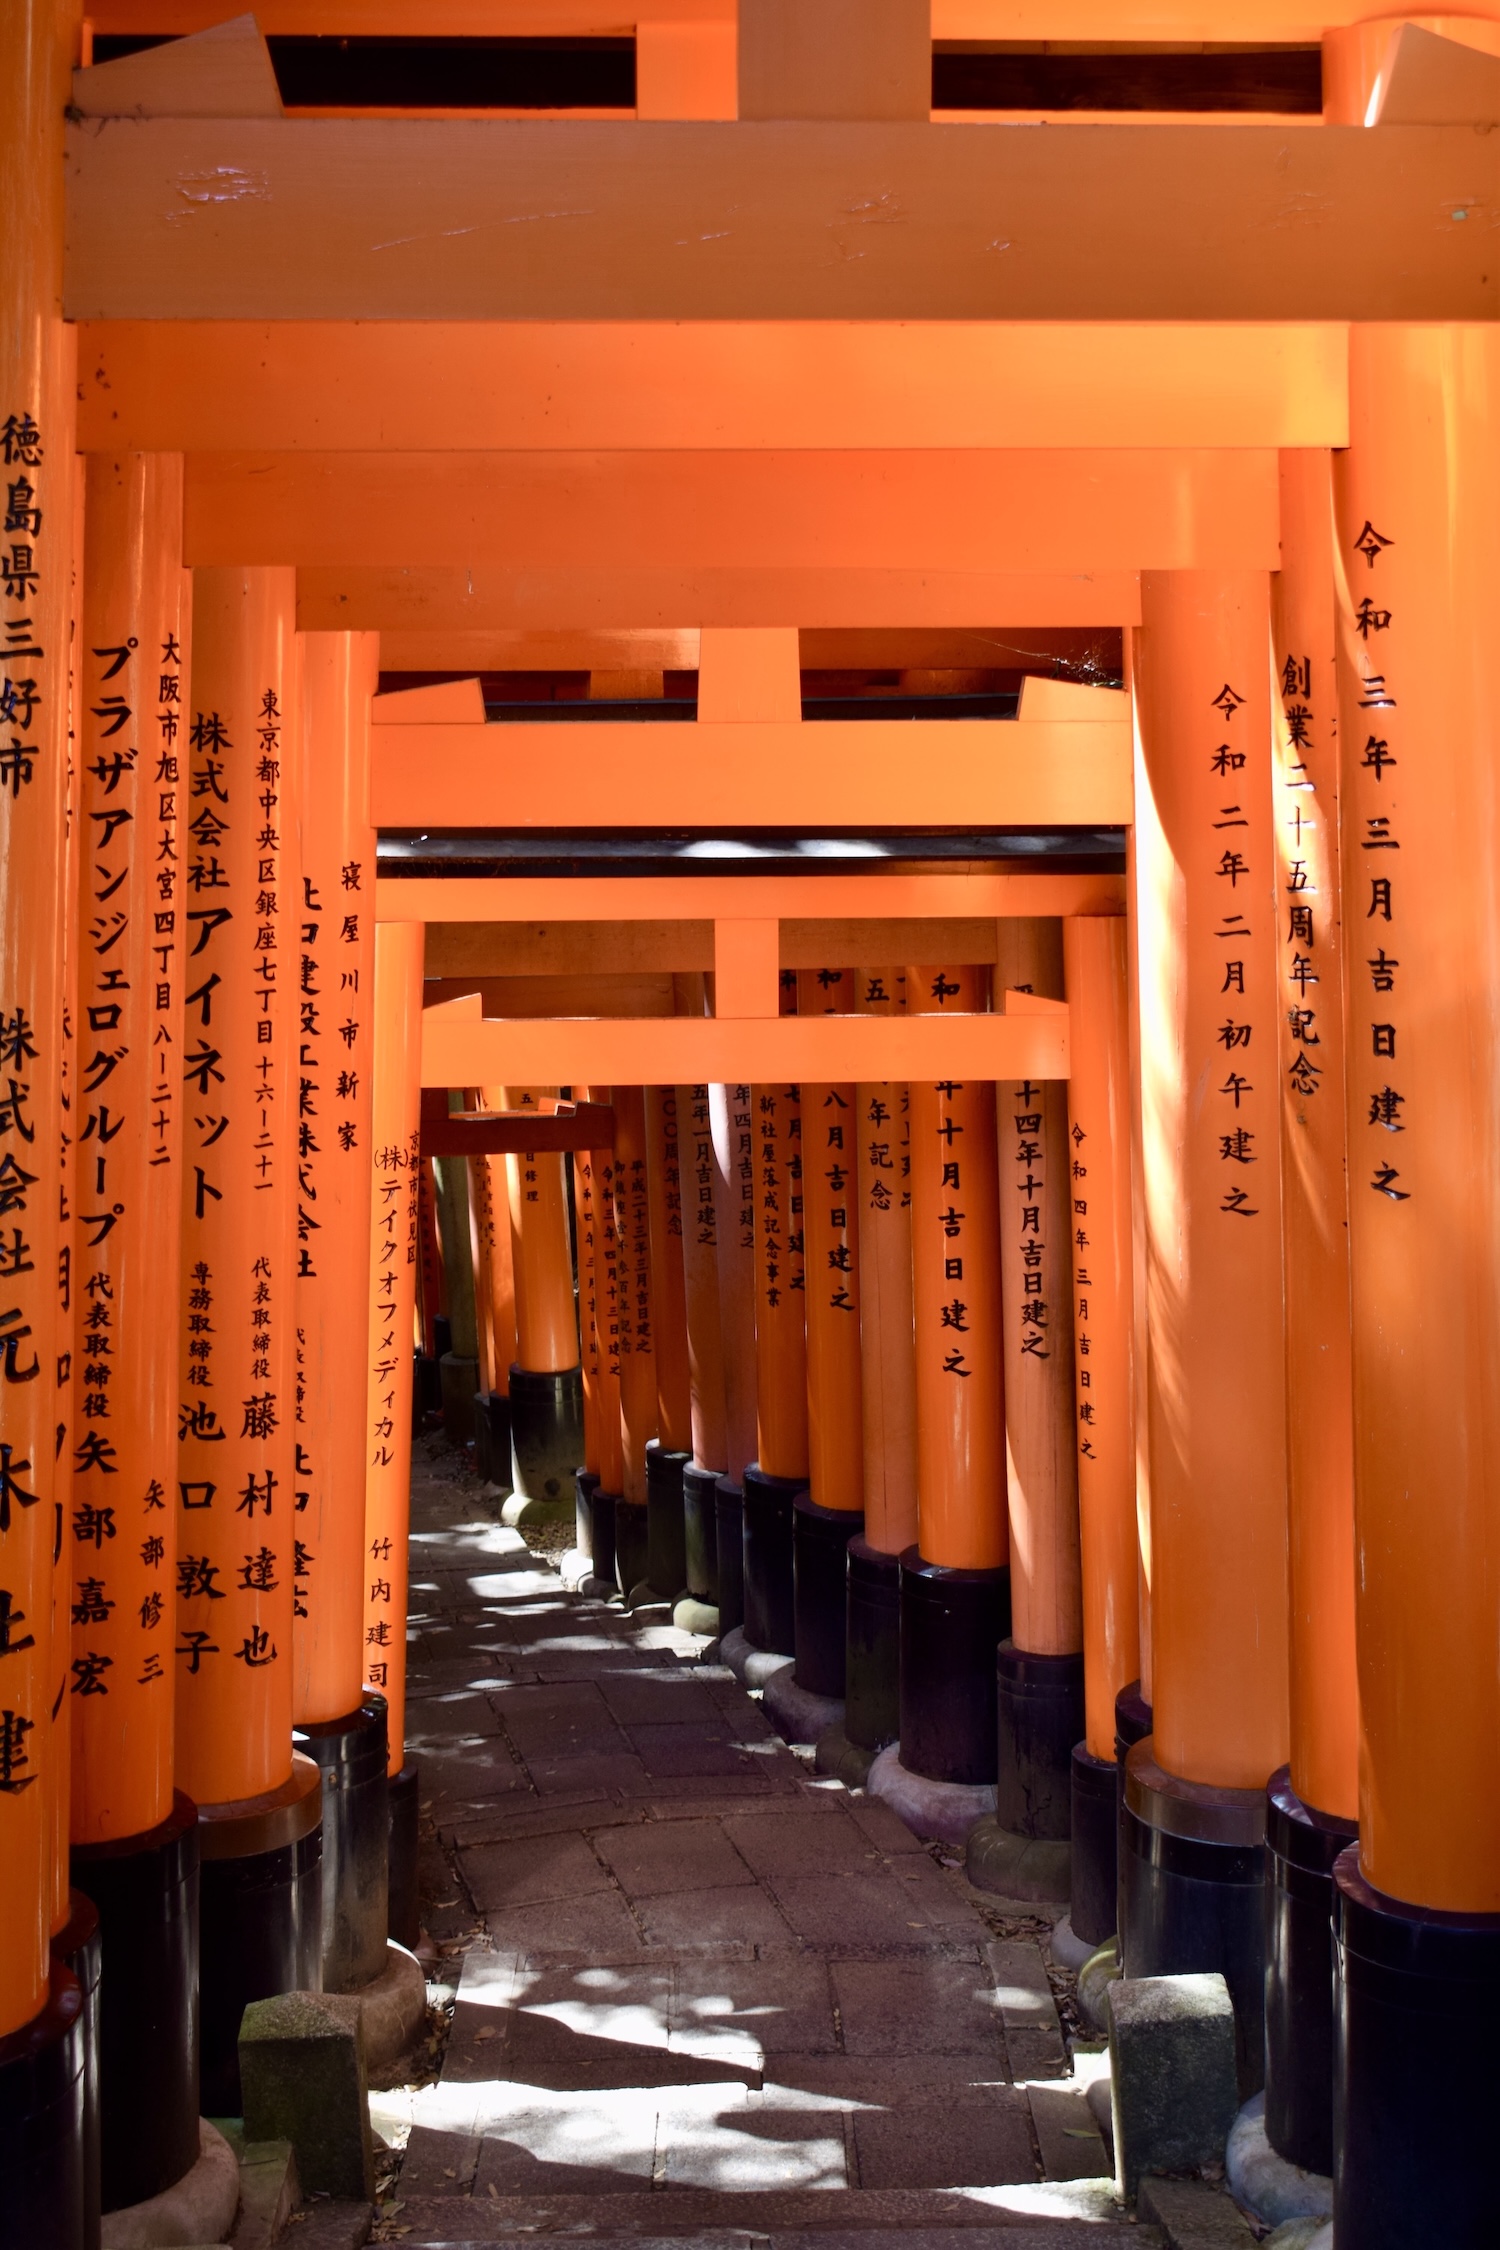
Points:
872	1692
261	1917
460	1381
602	1506
729	1523
952	1622
770	1608
666	1548
43	2202
351	1755
426	1390
1302	1846
146	1890
1132	1725
77	1945
1039	1715
631	1545
585	1485
1094	1907
1417	2077
1192	1892
492	1437
403	1898
820	1570
700	1533
546	1432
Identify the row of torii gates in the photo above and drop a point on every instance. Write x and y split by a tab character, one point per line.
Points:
292	400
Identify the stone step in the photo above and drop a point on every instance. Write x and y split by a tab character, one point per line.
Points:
1076	2216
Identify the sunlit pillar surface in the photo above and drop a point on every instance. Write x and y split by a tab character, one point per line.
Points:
637	1333
702	1217
546	1396
666	1528
780	1469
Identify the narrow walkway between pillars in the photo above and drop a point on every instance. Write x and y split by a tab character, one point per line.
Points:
698	1987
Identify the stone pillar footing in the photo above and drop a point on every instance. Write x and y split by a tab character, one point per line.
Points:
1192	1892
752	1666
943	1811
1302	1846
199	2207
1032	1868
798	1715
1265	2183
841	1759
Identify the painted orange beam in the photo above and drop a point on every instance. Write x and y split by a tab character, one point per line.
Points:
484	597
460	1049
651	898
397	219
323	386
1082	20
994	774
1177	508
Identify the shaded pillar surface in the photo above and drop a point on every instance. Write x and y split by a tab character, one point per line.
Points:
586	1233
1419	1904
336	974
731	1118
1206	932
395	1135
607	1281
669	1297
832	1511
954	1588
780	1285
236	1474
637	1334
886	1334
700	1266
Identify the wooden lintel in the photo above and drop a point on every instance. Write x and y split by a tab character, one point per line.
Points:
391	219
484	952
663	898
1047	511
516	1132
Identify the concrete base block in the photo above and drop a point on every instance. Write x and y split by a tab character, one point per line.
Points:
799	1715
1100	2106
690	1615
752	1667
1266	2184
574	1567
643	1595
1014	1866
1099	1972
1172	2074
200	2207
392	2007
1300	2234
846	1761
519	1511
942	1810
1194	2216
598	1589
302	2069
269	2188
1068	1951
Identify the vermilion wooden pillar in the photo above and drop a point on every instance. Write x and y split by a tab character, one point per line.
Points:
336	1725
831	1512
390	1330
955	1603
495	1309
637	1334
780	1468
666	1529
1041	1666
546	1393
590	1325
1100	1132
888	1399
1418	1900
1207	963
135	1845
736	1187
599	1493
701	1229
236	1469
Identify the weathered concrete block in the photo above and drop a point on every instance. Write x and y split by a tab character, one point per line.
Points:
1194	2216
302	2070
1172	2074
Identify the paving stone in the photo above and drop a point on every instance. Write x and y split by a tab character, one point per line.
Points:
531	1870
1033	2034
1194	2216
732	2146
884	1829
924	2007
693	1751
974	2143
807	1843
712	1918
438	2163
854	1911
1070	2141
683	1855
659	1697
567	2149
785	2005
588	1775
599	1926
465	1772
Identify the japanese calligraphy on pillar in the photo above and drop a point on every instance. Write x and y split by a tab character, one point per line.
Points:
127	1126
236	1483
393	1260
1235	848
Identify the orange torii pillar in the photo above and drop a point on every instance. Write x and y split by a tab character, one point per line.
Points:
888	1396
495	1305
831	1512
1312	1804
955	1592
135	1841
41	2029
337	1724
236	1483
1096	967
1193	1839
779	1472
1039	1670
432	1299
1417	1912
601	1491
666	1550
637	1337
590	1339
546	1384
396	1170
732	1119
456	1330
698	1611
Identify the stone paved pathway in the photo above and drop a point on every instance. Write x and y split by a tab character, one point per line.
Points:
698	1990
